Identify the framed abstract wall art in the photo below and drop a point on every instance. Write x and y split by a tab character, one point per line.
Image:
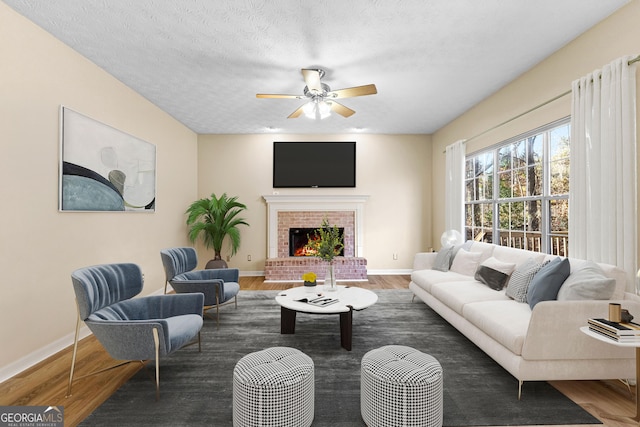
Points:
102	168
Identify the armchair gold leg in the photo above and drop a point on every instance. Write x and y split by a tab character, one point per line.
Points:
217	307
73	357
156	341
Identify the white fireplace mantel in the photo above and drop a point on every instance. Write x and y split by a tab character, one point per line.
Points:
288	203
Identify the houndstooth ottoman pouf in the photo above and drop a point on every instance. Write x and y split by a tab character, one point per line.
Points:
274	387
400	386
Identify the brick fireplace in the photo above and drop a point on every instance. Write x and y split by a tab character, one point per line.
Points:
290	211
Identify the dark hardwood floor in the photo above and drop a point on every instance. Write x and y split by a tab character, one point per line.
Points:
46	383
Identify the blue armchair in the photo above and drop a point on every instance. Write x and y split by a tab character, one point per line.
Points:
131	329
219	286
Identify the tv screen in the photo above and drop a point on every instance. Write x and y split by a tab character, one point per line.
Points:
314	164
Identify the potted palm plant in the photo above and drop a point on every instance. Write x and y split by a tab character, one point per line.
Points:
213	219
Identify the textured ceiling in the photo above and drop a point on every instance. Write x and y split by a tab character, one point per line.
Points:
203	61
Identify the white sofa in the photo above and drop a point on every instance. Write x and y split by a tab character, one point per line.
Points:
539	344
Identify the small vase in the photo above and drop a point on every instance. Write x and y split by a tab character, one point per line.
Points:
310	286
330	279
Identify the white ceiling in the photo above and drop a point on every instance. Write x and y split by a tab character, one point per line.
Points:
203	61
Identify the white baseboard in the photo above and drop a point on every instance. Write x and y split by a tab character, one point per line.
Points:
41	354
251	273
395	272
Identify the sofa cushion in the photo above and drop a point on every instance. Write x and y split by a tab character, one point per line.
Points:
466	246
517	256
520	279
456	295
427	278
466	262
443	259
547	282
485	249
506	322
496	264
588	282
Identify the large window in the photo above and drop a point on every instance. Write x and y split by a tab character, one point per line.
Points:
517	192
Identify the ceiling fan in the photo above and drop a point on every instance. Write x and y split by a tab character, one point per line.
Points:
321	98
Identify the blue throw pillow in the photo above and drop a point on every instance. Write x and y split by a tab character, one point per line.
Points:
547	282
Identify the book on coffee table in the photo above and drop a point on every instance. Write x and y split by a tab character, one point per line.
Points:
319	301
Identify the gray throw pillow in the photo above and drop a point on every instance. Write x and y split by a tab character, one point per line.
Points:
443	259
492	278
547	282
520	279
587	283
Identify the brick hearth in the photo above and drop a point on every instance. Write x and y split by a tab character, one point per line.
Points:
292	268
308	211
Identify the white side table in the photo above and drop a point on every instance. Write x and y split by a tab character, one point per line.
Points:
635	418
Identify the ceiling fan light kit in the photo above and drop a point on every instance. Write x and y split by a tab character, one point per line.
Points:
321	99
317	109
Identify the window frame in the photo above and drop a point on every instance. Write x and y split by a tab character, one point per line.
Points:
495	201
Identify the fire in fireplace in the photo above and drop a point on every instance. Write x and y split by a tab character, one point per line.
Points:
299	237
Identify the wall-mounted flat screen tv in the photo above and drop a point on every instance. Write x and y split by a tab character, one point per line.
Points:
314	164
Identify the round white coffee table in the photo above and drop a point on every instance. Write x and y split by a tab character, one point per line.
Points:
350	299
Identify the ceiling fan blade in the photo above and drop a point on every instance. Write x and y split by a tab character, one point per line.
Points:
275	95
296	113
341	109
312	79
354	91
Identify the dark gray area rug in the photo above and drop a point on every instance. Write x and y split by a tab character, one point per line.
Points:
197	388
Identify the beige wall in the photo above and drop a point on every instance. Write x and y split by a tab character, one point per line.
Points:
394	170
41	246
615	37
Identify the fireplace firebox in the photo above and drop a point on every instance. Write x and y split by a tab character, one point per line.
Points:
299	237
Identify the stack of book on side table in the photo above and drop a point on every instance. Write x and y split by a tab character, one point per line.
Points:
617	331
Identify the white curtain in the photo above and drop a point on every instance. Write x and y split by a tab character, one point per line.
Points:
602	194
454	187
